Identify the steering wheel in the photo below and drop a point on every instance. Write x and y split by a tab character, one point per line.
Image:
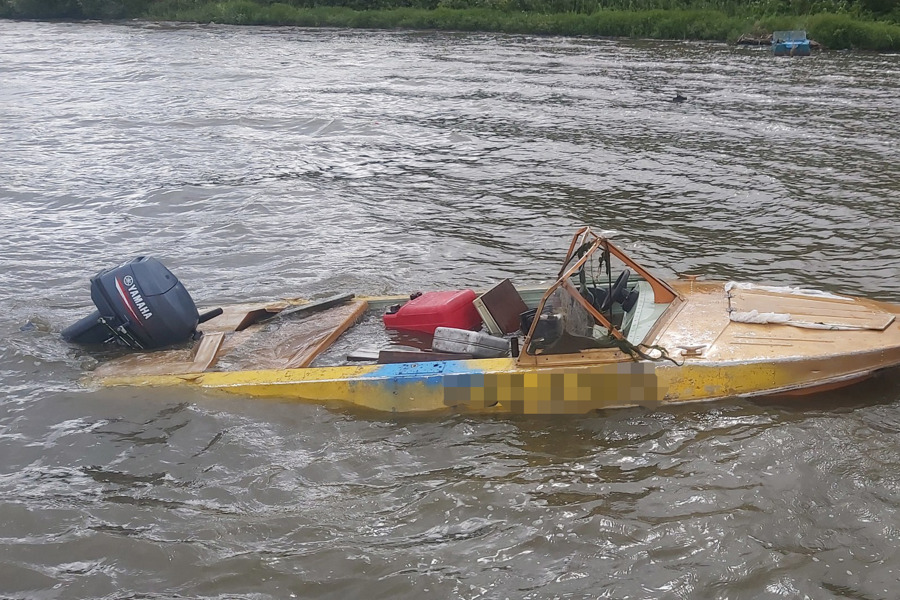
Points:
617	293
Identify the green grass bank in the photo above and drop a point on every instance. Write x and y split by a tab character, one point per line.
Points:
836	24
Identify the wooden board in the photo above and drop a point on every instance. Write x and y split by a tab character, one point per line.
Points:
293	342
276	344
168	362
838	312
234	317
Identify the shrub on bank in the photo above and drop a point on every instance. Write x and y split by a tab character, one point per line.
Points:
841	31
73	9
658	19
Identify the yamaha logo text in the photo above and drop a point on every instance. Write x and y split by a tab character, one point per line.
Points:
136	298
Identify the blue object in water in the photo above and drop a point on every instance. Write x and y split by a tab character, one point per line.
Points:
790	43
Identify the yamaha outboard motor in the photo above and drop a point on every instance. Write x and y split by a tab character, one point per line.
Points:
140	304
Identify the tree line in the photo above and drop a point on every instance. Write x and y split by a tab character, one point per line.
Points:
863	24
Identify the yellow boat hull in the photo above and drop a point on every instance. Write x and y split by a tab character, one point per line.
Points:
503	385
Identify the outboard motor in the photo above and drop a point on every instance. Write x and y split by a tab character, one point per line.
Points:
140	304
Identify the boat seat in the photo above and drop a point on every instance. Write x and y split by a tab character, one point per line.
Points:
596	296
631	300
569	343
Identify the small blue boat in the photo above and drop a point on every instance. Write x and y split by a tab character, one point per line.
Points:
790	43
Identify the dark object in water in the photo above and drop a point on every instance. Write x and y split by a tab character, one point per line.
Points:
678	97
140	304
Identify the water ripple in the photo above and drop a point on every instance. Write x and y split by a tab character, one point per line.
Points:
267	162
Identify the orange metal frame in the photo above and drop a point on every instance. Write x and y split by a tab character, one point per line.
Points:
585	237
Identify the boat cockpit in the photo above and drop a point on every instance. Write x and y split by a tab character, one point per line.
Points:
601	307
601	299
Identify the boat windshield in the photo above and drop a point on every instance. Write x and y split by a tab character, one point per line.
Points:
601	299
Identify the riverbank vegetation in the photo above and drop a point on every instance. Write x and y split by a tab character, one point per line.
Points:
836	24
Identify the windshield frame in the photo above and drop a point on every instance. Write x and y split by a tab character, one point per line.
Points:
584	245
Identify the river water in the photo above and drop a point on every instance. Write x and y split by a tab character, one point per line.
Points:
281	162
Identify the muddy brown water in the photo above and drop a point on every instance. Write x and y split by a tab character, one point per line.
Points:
278	162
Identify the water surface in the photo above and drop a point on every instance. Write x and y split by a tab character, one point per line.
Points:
280	162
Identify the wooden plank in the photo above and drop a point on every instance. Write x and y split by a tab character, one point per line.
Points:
233	316
261	313
277	345
207	351
305	310
252	317
167	362
829	311
314	346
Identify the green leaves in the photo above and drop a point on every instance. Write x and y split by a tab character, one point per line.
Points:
836	24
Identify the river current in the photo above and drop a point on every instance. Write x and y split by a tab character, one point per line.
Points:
266	162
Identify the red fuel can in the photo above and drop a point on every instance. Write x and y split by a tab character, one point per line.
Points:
431	310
